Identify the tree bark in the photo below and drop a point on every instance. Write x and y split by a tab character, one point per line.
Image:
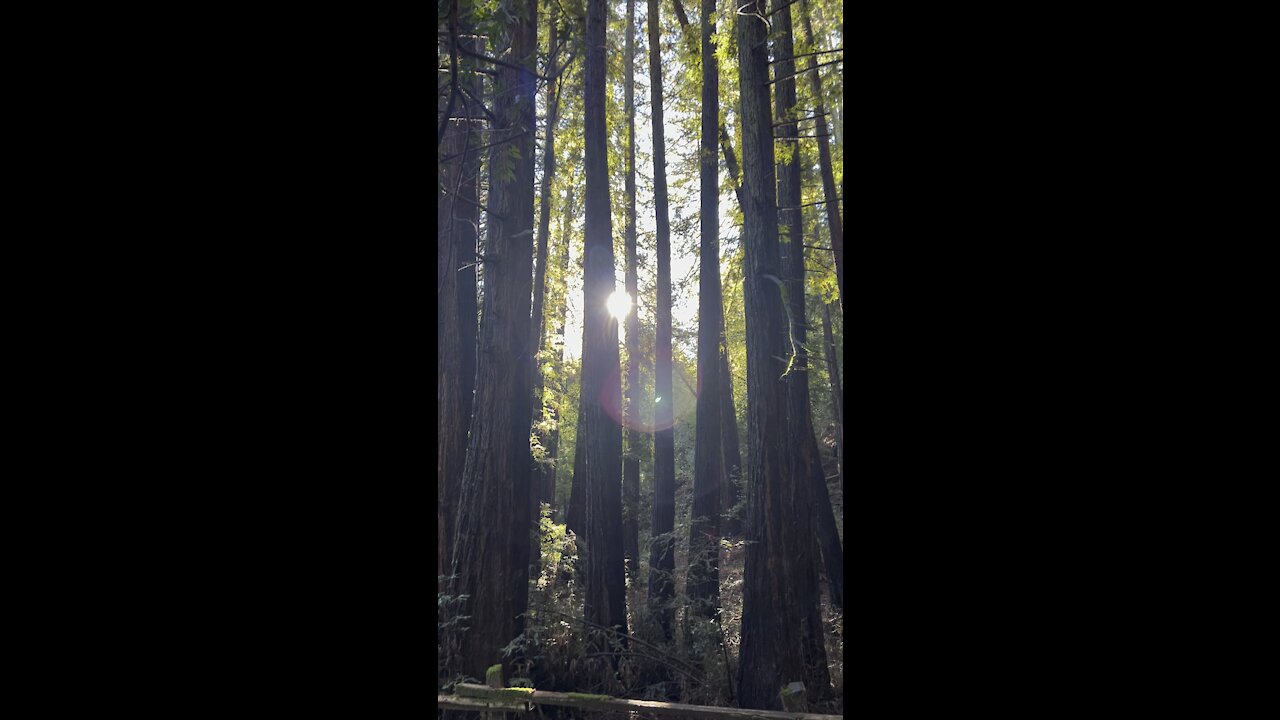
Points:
662	560
491	550
708	471
631	461
776	616
598	460
824	160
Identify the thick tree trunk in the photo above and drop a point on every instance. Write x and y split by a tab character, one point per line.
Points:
776	614
598	460
832	204
837	395
631	461
807	458
491	551
708	471
662	561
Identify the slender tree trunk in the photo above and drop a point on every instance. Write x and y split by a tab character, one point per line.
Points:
631	461
491	548
662	561
832	204
837	395
598	460
776	614
562	312
539	293
456	324
704	531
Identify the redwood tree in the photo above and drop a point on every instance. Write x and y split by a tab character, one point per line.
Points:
776	612
631	461
598	458
491	550
662	561
806	458
704	531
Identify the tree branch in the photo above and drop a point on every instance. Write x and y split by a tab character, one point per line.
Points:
503	63
801	72
816	52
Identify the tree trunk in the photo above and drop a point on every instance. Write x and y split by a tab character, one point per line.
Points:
456	321
598	460
539	293
492	540
807	458
631	461
776	614
704	531
562	310
662	561
837	396
832	203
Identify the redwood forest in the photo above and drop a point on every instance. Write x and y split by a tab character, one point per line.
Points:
640	285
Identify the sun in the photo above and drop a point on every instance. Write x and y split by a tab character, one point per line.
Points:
619	304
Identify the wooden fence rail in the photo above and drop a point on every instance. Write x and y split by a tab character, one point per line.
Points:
519	700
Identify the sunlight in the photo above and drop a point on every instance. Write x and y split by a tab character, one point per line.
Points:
619	304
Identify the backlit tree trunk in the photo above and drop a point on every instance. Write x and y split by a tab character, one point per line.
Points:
662	561
491	551
704	531
776	614
598	459
631	461
456	321
806	457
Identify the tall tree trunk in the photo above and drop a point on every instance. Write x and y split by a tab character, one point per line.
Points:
539	289
562	312
832	203
837	395
492	540
662	561
776	613
456	322
806	457
631	461
598	460
704	531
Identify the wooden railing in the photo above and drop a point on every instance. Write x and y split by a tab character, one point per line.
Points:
496	698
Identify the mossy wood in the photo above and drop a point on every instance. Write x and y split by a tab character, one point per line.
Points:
604	702
455	702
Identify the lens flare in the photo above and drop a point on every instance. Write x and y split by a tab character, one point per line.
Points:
619	304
